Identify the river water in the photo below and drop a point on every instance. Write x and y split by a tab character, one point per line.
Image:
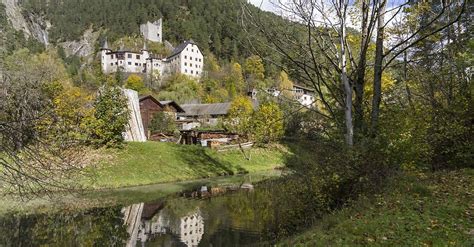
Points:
205	216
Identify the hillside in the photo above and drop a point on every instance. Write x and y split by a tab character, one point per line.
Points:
215	24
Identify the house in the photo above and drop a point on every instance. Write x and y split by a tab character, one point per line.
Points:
149	106
197	115
304	95
186	59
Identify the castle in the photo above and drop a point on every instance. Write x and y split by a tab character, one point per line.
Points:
186	58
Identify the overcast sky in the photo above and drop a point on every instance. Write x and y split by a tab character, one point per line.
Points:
263	4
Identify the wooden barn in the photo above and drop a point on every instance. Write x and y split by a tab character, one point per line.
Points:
149	106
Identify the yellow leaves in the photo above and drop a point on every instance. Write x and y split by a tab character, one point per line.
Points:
387	83
254	67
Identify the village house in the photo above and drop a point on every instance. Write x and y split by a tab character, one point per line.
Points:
149	106
304	95
197	115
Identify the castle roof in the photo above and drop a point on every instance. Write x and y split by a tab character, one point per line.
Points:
105	46
181	47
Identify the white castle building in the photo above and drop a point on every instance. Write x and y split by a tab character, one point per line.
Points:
186	58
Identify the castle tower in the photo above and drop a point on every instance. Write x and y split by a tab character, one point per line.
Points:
104	59
153	31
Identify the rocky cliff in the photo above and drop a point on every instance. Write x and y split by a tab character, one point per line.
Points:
33	26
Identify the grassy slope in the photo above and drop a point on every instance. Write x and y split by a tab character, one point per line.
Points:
155	162
417	210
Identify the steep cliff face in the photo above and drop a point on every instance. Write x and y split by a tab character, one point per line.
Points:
83	47
33	26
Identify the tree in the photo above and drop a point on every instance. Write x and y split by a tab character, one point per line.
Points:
240	116
163	123
40	145
317	49
111	117
254	69
136	83
267	123
285	85
235	80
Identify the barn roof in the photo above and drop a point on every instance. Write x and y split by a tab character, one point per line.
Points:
205	109
162	103
172	103
209	109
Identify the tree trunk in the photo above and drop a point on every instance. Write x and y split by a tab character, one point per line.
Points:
360	80
345	79
378	67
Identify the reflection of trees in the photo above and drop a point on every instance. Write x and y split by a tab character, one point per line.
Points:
96	227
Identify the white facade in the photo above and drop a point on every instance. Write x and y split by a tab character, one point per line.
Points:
125	61
303	95
152	31
185	59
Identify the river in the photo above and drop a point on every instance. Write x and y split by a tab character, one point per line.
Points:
232	215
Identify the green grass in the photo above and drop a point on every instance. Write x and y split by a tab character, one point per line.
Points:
156	162
435	209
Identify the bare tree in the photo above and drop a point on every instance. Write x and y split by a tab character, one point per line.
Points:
40	152
313	45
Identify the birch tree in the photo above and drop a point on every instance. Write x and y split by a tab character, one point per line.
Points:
312	41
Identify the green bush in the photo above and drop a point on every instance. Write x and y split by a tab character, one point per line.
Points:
110	117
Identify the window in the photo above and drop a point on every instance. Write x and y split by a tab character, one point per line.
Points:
129	63
138	56
187	49
197	73
185	71
191	58
199	60
112	56
136	64
191	72
121	62
116	63
111	63
185	57
185	64
129	55
191	65
196	65
196	59
192	50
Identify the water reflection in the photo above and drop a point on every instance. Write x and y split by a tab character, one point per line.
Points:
151	221
235	218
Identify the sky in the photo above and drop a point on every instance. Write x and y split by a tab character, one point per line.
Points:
263	4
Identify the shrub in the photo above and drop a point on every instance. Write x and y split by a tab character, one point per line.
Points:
163	123
110	117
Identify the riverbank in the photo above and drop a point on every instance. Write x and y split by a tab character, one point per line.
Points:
157	162
416	209
126	195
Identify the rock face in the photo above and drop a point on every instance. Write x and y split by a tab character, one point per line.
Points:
83	47
33	26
